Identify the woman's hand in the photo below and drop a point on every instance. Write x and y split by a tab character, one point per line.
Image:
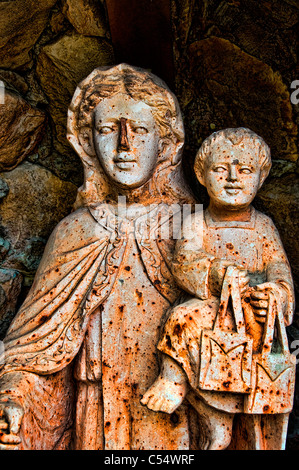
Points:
11	415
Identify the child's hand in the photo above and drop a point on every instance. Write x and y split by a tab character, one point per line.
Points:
259	299
244	280
217	273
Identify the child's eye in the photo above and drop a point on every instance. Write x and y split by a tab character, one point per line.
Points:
219	169
246	171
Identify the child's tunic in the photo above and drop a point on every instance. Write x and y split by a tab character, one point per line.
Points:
257	247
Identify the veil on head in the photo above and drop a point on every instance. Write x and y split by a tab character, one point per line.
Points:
141	85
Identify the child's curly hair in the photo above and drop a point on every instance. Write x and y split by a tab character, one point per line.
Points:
235	136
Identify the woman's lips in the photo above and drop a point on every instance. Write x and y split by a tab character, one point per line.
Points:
124	164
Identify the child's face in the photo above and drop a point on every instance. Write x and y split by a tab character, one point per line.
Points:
232	175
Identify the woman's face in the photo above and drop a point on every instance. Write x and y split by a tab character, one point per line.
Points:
126	140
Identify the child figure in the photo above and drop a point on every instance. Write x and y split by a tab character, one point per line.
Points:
232	164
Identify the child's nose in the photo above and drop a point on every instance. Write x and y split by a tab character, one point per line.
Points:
233	173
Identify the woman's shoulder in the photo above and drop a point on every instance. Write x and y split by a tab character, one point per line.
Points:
77	227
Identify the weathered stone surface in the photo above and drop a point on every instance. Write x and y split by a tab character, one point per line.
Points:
263	24
21	23
58	21
104	282
10	288
294	3
264	30
280	198
14	80
201	336
4	189
61	65
231	88
87	17
36	202
267	32
21	127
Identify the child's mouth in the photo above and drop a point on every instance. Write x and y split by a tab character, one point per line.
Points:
232	189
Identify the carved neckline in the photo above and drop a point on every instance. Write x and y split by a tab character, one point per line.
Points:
211	223
101	212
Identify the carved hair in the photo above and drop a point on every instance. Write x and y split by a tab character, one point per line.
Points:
235	136
141	85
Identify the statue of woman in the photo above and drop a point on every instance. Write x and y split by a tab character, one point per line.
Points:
81	351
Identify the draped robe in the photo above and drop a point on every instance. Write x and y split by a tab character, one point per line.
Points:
81	351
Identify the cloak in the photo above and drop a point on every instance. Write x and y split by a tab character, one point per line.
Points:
82	261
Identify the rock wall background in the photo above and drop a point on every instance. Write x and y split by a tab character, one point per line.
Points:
46	49
234	63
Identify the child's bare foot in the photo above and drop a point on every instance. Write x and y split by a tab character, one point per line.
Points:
165	395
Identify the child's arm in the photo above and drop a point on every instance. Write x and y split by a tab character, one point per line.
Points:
278	273
191	267
196	271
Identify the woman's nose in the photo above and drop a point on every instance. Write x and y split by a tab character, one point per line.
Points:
123	143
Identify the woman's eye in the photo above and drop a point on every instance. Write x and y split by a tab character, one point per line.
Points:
219	169
105	130
246	171
140	130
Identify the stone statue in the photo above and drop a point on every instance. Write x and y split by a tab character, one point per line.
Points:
225	348
81	351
